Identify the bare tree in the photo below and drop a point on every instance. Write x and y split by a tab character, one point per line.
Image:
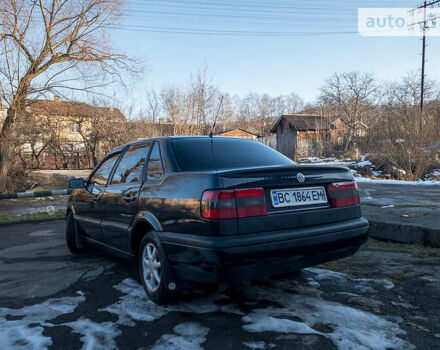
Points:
261	111
227	117
352	95
35	137
153	106
395	137
51	46
174	104
203	101
186	109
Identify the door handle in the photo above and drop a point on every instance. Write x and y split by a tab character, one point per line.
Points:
129	198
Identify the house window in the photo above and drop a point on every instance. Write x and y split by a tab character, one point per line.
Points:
74	129
340	141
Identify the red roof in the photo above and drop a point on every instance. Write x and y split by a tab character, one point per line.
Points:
71	109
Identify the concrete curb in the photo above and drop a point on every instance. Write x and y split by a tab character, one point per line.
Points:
34	194
405	233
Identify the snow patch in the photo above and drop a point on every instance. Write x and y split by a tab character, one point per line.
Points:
260	345
363	285
352	328
25	332
429	278
363	163
262	321
95	336
399	170
347	294
326	161
313	283
305	311
397	182
189	336
135	305
403	304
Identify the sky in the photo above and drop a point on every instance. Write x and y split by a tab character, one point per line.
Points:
264	46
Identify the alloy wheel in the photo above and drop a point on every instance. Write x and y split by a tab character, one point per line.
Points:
151	266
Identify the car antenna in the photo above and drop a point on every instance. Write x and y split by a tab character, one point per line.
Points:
216	116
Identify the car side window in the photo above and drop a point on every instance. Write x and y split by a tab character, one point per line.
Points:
131	165
102	174
155	168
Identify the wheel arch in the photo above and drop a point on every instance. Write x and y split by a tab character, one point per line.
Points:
143	223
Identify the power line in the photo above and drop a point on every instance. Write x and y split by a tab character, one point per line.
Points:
425	5
309	20
233	14
248	17
174	30
237	5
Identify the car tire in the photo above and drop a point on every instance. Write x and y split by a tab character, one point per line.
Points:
208	288
155	271
73	236
287	275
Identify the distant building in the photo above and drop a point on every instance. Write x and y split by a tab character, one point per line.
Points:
63	128
240	133
302	135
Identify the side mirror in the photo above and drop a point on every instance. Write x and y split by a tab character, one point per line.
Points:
77	183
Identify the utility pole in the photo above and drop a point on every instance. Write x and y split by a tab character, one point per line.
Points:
422	92
422	85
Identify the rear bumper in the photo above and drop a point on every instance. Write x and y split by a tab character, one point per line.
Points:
223	259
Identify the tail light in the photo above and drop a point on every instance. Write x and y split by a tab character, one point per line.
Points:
343	194
250	202
219	205
230	204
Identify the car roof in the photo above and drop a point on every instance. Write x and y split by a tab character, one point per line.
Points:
137	142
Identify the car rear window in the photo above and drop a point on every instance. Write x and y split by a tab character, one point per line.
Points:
198	154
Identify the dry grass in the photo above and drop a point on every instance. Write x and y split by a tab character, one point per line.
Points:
416	249
14	219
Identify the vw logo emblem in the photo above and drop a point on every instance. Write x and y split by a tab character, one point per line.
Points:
300	177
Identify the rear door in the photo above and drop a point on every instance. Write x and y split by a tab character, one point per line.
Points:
87	201
120	198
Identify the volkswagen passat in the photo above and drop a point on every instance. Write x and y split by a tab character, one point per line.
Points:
213	209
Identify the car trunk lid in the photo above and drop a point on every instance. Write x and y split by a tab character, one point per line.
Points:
295	177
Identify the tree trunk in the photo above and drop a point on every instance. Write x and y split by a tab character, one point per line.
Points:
6	152
7	134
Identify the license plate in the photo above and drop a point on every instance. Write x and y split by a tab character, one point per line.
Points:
298	197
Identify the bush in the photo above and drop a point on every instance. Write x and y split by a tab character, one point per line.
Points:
16	181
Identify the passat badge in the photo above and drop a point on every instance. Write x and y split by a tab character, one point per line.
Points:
300	177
